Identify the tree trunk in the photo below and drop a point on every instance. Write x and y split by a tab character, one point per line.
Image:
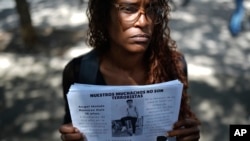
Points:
27	31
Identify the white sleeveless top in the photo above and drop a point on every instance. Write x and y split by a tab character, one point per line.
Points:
132	112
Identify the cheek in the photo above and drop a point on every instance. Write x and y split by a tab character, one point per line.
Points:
115	33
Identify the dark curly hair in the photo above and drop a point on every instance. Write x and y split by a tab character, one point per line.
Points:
163	61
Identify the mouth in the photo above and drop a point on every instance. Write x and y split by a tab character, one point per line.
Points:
141	38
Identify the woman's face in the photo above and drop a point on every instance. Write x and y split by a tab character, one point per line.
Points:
130	29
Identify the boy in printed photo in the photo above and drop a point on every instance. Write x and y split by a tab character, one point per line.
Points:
132	115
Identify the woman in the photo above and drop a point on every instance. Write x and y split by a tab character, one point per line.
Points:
132	41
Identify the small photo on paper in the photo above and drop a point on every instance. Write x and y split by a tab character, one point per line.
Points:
127	117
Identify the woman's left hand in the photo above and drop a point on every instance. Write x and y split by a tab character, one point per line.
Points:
186	130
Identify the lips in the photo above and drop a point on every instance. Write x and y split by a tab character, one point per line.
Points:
140	38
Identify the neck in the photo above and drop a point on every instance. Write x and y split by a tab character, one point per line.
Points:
124	60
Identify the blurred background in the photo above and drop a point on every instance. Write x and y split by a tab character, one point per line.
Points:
38	38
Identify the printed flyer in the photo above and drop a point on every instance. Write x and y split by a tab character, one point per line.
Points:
125	113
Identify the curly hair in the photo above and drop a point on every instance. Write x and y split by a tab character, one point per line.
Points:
98	16
163	60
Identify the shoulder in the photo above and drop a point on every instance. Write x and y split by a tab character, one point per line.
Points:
72	68
75	63
72	64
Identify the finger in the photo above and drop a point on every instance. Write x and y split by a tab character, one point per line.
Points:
194	137
72	137
185	123
183	132
68	128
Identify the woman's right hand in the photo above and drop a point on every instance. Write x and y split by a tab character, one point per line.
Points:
70	133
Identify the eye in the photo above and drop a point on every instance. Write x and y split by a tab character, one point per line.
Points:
128	9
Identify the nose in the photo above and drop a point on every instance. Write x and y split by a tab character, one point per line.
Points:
142	20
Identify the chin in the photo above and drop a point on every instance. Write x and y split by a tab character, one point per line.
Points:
137	48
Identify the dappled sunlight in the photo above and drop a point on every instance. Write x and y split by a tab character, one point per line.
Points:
31	87
235	56
6	4
215	115
29	126
63	15
5	63
218	66
181	15
77	50
203	73
20	66
237	115
209	110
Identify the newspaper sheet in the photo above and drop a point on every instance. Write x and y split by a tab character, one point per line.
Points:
125	113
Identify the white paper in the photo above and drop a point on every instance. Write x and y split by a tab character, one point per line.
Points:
99	111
